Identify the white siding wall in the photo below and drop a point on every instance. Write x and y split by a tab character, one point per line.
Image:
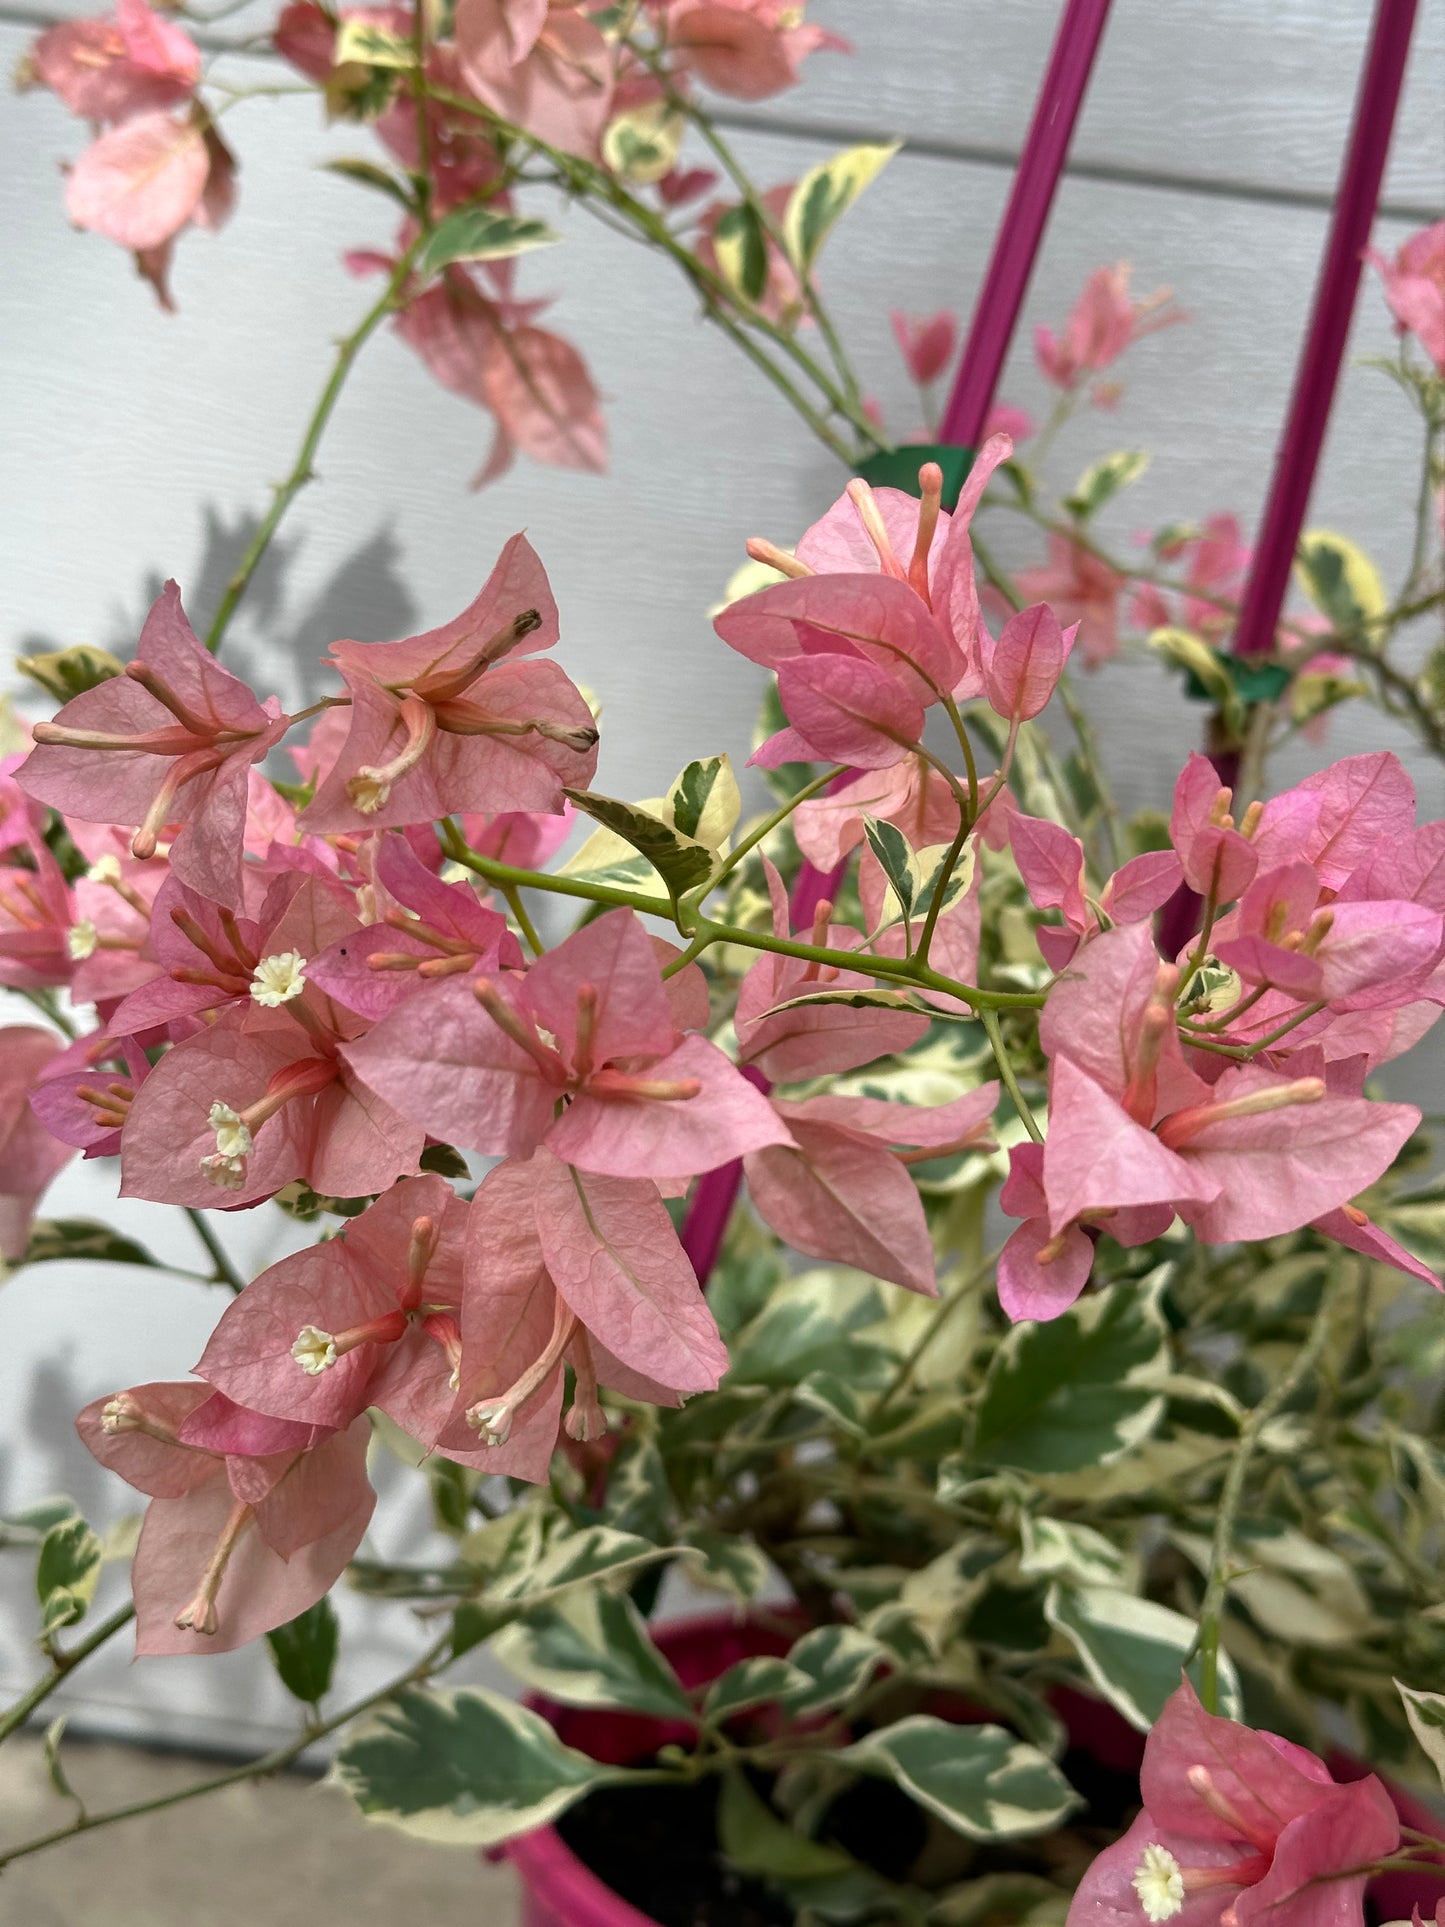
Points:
137	445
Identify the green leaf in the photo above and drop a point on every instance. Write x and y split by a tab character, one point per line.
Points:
1339	579
741	248
1080	1390
638	1498
681	862
1133	1650
67	1573
594	1553
1426	1714
464	1768
835	1399
756	1841
836	1662
1194	656
856	1000
367	45
606	857
1060	1549
54	1767
445	1160
642	143
64	673
825	194
29	1527
895	858
481	234
752	1682
452	1486
796	1336
706	802
53	1240
305	1651
593	1650
979	1780
729	1564
1101	481
366	174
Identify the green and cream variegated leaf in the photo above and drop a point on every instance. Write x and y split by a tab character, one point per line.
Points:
1426	1714
680	860
825	194
1076	1553
592	1649
481	234
979	1780
1081	1390
363	43
463	1768
1133	1650
704	802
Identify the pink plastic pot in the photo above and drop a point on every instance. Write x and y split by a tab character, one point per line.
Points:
558	1890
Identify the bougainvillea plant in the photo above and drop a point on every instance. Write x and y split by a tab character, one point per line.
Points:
861	1211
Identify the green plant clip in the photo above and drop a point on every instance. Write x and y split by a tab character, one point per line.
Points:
898	467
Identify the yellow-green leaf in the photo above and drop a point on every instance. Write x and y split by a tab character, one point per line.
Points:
642	144
825	194
368	45
1339	579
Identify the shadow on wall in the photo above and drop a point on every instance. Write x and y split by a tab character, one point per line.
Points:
279	637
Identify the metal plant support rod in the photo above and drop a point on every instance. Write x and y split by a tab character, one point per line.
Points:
1324	349
996	311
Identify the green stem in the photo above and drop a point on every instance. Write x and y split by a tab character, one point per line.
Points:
66	1662
226	1273
1088	744
1211	1611
46	1003
946	1308
505	874
591	183
761	830
763	215
253	1769
892	969
1006	1072
524	923
302	471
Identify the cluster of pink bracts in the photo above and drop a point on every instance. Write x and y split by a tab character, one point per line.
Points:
289	997
158	164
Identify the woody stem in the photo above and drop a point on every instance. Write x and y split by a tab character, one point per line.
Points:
302	472
226	1272
1211	1611
274	1762
64	1663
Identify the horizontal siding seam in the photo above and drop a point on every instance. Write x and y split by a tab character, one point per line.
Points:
928	147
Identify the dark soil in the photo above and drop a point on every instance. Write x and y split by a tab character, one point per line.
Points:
657	1846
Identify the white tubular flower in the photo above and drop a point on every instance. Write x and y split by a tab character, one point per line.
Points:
233	1139
276	980
314	1350
105	869
1159	1883
81	940
368	790
493	1419
226	1165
